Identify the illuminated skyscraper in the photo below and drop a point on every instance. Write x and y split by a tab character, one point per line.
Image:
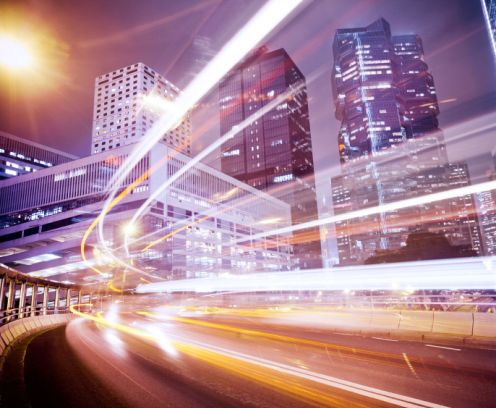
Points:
127	103
390	146
274	153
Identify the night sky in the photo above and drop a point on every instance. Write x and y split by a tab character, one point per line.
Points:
75	41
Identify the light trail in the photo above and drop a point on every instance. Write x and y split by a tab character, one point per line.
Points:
411	202
467	273
354	353
258	27
205	152
268	372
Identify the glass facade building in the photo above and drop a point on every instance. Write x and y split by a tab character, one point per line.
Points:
274	153
390	146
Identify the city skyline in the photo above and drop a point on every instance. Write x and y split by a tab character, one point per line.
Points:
280	203
441	52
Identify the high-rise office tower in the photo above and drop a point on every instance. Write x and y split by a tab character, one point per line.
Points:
274	153
389	143
127	103
461	227
341	202
486	205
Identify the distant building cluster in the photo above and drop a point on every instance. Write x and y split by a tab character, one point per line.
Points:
390	149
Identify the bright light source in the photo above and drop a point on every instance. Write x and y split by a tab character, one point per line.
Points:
13	53
129	229
270	221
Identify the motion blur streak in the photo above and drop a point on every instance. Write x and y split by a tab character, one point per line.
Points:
268	373
205	152
412	202
469	273
264	22
99	319
352	353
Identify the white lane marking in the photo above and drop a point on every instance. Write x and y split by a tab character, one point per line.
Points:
380	338
344	334
447	348
370	392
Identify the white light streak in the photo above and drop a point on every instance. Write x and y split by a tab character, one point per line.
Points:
264	21
412	202
469	273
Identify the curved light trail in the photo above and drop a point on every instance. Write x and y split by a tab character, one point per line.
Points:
264	22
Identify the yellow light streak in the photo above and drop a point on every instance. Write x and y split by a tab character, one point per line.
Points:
262	375
114	202
112	287
174	232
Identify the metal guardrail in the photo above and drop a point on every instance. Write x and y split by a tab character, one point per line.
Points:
15	303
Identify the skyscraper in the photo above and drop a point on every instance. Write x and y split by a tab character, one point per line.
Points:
390	146
127	103
274	153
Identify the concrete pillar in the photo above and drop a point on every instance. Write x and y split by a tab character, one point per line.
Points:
57	299
80	299
68	300
34	299
46	291
22	300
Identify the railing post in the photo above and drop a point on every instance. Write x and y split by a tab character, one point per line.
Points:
3	290
22	300
56	302
34	299
11	298
46	293
68	301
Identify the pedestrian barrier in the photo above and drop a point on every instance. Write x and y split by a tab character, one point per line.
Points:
485	325
350	318
416	320
385	320
453	323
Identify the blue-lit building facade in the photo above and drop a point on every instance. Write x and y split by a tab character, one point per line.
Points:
20	156
274	153
390	146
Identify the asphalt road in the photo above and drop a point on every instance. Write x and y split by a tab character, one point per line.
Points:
207	361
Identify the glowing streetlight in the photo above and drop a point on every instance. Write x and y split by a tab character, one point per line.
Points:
129	228
13	53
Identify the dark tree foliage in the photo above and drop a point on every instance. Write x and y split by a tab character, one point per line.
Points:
420	246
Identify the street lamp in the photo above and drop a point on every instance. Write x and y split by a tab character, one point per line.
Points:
13	53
